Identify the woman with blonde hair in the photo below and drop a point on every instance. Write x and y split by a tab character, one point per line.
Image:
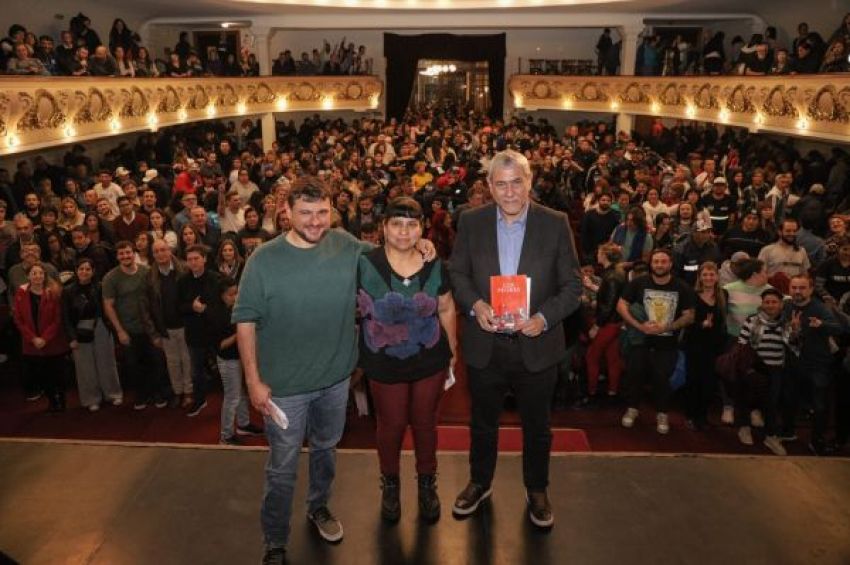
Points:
70	215
704	341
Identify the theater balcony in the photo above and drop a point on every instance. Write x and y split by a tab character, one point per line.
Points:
42	112
814	106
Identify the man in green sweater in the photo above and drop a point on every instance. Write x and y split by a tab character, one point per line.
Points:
297	340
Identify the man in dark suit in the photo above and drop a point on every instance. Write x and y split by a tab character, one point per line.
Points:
513	236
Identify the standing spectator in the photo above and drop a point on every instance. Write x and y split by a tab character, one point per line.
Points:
832	282
228	260
714	55
812	325
748	236
704	340
121	36
605	331
91	341
696	248
168	321
633	237
603	49
183	47
767	334
223	341
658	306
721	206
37	312
129	223
195	292
65	53
81	26
127	309
597	225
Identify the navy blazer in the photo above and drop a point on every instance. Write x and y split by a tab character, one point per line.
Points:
548	257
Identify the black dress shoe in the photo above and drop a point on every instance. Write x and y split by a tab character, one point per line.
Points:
539	509
274	556
470	498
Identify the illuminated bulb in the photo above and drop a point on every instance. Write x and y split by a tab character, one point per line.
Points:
69	132
691	111
152	120
452	68
281	104
615	105
374	100
240	108
210	110
182	115
13	140
327	103
758	119
115	125
802	123
518	102
724	115
656	107
567	102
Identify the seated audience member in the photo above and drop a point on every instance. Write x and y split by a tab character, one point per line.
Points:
760	62
23	63
102	64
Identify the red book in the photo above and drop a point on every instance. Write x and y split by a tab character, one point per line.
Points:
510	297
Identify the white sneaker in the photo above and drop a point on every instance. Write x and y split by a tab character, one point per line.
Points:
774	444
728	416
94	407
662	424
3	358
756	419
629	417
745	434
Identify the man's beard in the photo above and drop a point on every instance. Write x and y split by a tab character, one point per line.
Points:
790	240
303	235
661	274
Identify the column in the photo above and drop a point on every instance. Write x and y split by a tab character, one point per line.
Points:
629	35
625	122
262	35
268	127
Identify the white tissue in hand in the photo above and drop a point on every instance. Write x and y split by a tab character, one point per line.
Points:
277	415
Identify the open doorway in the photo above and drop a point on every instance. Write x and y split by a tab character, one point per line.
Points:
459	85
224	42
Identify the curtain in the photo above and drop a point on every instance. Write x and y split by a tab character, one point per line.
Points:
403	53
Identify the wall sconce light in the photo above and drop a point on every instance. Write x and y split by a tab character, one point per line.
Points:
691	111
655	107
115	125
211	110
723	115
282	103
182	115
615	105
518	101
802	123
153	120
13	140
69	132
241	108
327	103
758	119
567	102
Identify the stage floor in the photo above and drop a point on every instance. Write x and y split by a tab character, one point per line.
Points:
118	504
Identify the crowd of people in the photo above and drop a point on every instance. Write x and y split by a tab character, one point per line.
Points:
763	54
81	52
340	59
149	258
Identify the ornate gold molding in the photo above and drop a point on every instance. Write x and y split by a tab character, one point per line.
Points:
42	112
816	106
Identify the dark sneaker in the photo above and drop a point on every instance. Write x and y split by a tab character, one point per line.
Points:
390	500
230	440
196	409
160	403
328	526
429	501
249	430
470	498
274	556
33	396
140	405
539	509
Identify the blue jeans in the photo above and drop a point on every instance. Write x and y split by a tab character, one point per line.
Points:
321	416
234	404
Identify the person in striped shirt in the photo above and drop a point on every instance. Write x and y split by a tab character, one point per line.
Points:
767	335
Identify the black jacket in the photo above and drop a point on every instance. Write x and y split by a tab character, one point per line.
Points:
190	287
610	290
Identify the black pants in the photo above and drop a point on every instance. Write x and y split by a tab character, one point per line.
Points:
701	385
46	373
657	364
842	406
533	392
142	368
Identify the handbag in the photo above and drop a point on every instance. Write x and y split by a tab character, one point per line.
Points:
738	361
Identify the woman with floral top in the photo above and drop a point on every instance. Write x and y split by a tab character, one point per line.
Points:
407	346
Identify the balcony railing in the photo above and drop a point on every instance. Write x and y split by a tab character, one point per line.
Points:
41	112
814	106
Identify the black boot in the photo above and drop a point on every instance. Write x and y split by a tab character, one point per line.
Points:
390	501
429	501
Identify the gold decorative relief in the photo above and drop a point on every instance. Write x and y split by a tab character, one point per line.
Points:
134	103
740	100
591	92
305	91
706	97
634	94
777	103
826	106
41	111
169	100
261	94
95	107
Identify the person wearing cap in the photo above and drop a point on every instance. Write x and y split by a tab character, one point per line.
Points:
694	250
720	205
407	373
150	174
122	175
767	334
748	236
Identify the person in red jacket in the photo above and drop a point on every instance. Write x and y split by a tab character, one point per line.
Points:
37	312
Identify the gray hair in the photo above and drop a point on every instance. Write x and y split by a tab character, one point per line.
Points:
509	159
